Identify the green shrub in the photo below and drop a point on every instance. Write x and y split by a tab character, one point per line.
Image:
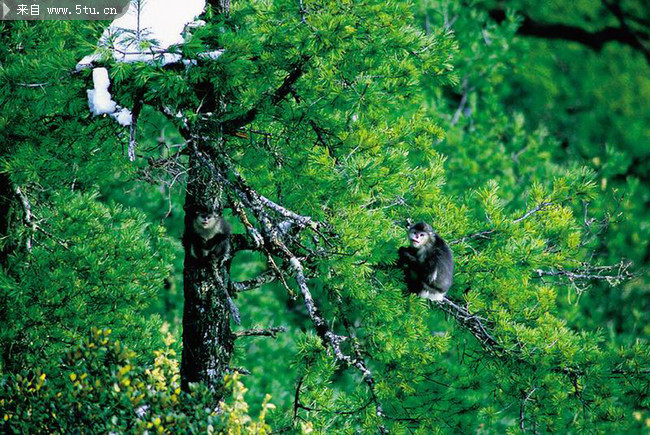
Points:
99	390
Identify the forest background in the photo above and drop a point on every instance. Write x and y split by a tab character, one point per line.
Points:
518	129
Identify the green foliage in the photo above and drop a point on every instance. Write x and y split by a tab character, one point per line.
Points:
92	261
118	262
461	124
594	103
99	388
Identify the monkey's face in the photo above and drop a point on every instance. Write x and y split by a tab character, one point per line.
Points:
206	220
419	238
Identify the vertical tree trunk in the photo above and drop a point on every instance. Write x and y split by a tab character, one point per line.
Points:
7	197
207	338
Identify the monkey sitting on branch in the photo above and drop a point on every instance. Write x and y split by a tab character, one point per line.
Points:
428	263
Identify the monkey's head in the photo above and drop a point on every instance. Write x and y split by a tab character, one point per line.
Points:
420	234
205	219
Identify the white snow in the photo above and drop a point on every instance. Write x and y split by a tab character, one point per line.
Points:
100	79
87	61
161	25
99	99
161	20
148	37
123	117
211	54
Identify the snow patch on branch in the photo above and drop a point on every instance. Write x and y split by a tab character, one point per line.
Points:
149	31
123	117
99	99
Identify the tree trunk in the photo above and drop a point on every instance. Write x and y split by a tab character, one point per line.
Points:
7	198
207	338
208	341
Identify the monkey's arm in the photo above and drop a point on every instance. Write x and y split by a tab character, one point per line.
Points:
407	261
405	256
194	243
218	246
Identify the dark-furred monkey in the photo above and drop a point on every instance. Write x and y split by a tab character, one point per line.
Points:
210	236
428	264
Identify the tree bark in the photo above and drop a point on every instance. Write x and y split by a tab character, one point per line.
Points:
7	197
207	338
208	341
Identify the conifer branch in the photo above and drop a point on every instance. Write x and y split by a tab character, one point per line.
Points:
273	242
594	40
476	325
334	341
256	202
231	126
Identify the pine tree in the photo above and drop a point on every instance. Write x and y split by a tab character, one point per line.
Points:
318	132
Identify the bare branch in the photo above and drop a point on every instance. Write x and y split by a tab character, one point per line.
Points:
471	322
254	283
463	102
135	113
593	40
296	398
27	216
257	237
485	233
522	416
529	213
479	235
34	85
613	274
260	332
240	370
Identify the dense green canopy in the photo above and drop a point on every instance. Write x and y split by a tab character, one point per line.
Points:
521	135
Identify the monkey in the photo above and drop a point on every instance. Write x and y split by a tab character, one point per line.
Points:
210	236
428	263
